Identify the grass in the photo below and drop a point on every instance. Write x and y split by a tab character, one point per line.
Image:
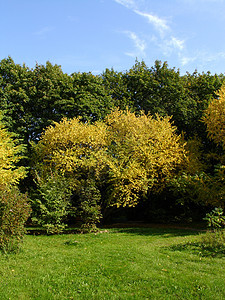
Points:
125	263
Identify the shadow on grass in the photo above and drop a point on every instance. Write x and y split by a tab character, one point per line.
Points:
162	232
199	249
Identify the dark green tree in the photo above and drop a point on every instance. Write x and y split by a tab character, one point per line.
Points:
15	82
116	87
160	90
91	100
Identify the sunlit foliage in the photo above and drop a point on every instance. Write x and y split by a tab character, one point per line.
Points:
215	118
10	155
130	154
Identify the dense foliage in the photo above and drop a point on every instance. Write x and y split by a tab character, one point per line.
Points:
114	136
214	118
11	152
14	212
14	209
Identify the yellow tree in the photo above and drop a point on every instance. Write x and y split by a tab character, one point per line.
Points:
14	209
146	153
214	119
130	154
10	155
71	152
71	147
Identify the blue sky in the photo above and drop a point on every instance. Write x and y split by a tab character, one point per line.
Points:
92	35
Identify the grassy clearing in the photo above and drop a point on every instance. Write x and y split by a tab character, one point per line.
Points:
130	263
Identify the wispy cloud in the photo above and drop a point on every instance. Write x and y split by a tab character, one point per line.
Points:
72	19
162	36
43	31
159	23
186	60
202	59
139	44
131	4
177	43
202	1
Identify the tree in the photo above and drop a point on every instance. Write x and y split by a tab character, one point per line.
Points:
202	89
127	155
204	179
145	154
91	100
32	99
160	90
116	86
15	81
214	118
11	152
14	209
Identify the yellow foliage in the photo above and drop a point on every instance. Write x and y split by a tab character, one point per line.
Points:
68	145
194	149
214	118
147	154
133	154
10	154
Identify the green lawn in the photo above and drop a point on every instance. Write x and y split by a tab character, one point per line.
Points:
129	263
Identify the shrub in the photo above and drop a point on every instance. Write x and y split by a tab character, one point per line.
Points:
51	203
14	212
215	219
214	239
88	206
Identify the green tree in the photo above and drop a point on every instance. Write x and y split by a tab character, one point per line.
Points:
91	100
15	81
160	90
116	86
202	88
51	203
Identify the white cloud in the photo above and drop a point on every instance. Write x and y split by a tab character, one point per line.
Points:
43	31
186	60
158	23
176	43
193	2
164	38
139	44
127	3
203	58
214	57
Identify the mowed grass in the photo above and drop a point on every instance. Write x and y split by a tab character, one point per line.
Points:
129	263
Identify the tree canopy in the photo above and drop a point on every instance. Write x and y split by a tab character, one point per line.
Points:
133	154
118	132
11	152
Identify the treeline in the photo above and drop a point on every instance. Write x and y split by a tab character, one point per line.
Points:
32	99
140	100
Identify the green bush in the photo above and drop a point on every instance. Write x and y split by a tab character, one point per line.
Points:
51	203
215	219
88	206
14	212
214	239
